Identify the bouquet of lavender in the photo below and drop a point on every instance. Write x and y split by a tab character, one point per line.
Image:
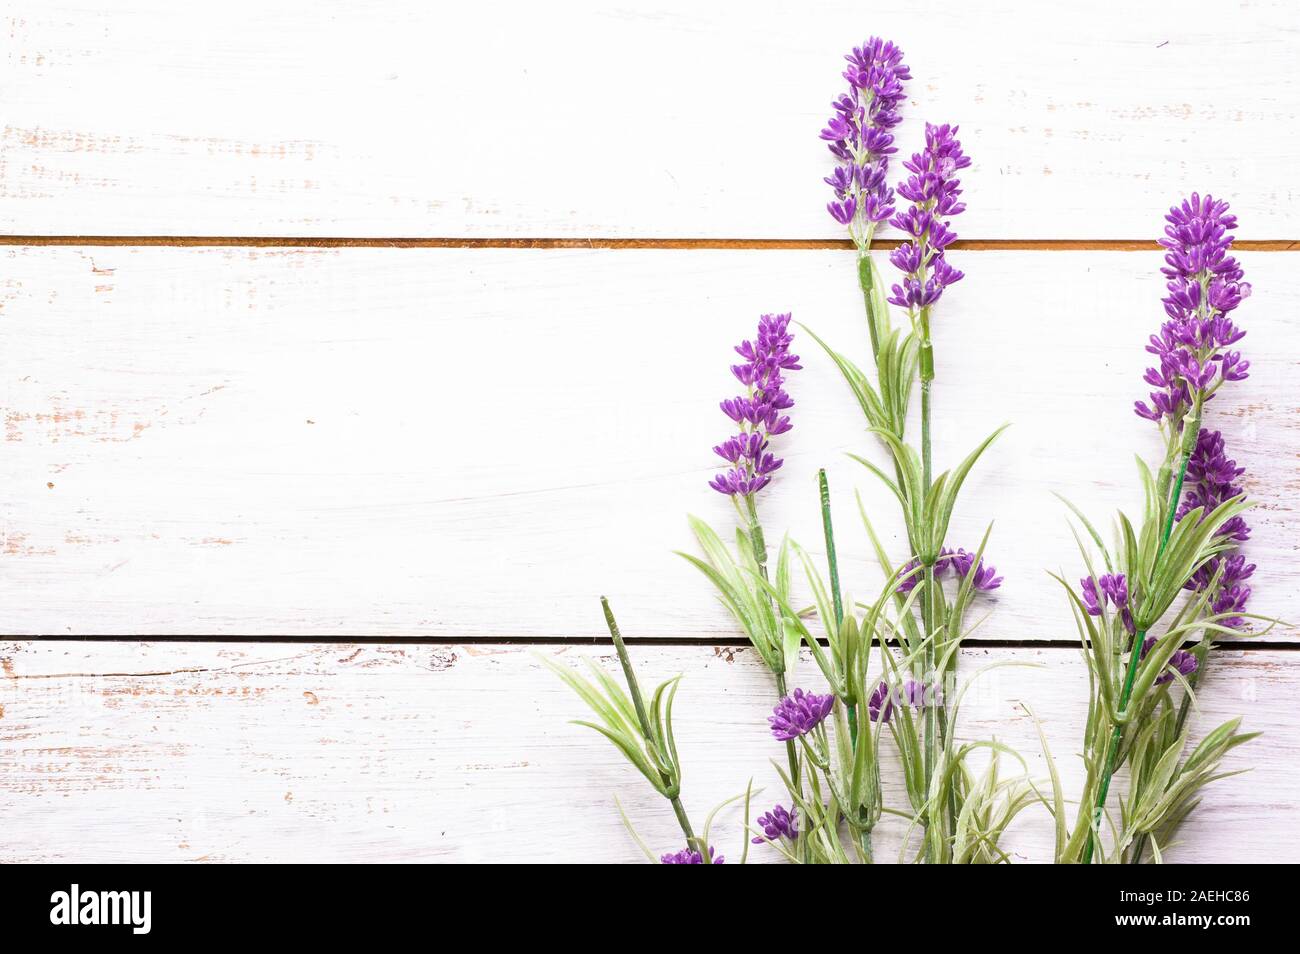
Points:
958	795
1133	625
962	818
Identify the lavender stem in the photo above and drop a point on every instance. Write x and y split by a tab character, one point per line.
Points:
639	703
1112	754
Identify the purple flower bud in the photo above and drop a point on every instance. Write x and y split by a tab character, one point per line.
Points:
880	705
690	856
858	135
843	212
799	713
1204	287
1181	660
959	560
932	188
767	358
1114	587
778	823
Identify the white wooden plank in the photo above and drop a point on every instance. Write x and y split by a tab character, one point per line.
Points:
478	443
291	752
655	118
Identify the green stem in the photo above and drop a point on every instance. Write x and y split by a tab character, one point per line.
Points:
928	606
927	377
1191	426
864	280
1135	853
639	703
760	557
628	673
685	822
930	699
756	539
832	562
829	534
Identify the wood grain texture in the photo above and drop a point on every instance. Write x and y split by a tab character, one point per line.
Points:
293	752
459	443
656	118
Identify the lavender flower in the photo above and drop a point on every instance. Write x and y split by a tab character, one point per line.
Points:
858	137
880	706
961	561
689	856
778	823
1114	587
758	411
799	713
1205	286
1209	482
932	189
1231	599
985	577
1181	660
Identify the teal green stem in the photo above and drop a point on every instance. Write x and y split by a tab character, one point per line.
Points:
832	561
1135	651
829	532
643	719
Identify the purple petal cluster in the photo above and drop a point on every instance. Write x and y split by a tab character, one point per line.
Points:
799	713
961	562
778	823
1114	587
1211	479
689	856
1181	660
933	189
859	138
1205	287
1231	599
758	412
880	706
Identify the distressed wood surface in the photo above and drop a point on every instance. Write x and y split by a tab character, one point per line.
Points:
639	119
463	443
471	444
292	752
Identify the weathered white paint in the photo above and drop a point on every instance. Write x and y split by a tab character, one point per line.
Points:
478	443
656	118
310	752
325	444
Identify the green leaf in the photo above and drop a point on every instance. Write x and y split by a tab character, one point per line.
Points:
946	500
868	400
1092	531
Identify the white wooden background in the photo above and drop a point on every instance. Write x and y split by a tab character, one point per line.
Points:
363	477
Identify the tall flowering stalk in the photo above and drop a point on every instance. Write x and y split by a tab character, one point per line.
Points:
1191	525
927	623
742	579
